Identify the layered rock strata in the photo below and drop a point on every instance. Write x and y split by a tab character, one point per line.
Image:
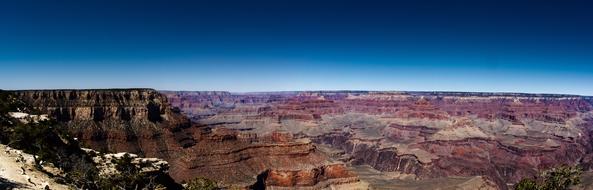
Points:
116	120
141	121
501	136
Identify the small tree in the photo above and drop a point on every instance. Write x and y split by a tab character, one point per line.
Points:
560	178
201	183
527	184
129	176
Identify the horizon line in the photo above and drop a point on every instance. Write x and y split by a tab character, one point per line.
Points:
289	91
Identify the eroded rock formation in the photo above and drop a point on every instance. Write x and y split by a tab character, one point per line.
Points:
134	120
274	140
500	136
141	121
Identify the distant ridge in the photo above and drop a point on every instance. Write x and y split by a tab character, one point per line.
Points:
411	93
83	89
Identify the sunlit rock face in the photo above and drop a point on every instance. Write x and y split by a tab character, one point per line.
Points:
141	121
116	120
501	136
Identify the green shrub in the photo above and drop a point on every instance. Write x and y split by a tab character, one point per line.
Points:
527	184
560	178
201	183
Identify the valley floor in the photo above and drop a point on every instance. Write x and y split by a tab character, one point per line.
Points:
384	181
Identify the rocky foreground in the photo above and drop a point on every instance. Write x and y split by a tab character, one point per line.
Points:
17	171
340	140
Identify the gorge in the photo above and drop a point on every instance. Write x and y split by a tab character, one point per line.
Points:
333	139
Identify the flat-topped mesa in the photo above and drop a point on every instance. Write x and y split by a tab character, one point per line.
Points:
99	104
139	121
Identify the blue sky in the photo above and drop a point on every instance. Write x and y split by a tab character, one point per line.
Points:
511	46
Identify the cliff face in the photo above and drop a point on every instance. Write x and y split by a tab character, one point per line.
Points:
501	136
99	105
141	121
137	120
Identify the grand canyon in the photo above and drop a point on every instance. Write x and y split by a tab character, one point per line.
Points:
296	94
332	139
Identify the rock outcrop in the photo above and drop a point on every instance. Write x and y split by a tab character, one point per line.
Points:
136	120
18	171
249	160
106	163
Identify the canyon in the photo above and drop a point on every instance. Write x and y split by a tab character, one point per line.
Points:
142	122
333	139
499	138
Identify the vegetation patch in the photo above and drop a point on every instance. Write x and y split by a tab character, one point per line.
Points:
560	178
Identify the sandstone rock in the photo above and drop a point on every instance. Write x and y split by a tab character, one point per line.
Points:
106	165
17	171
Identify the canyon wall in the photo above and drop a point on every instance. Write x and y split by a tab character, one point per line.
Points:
501	136
259	140
141	121
116	120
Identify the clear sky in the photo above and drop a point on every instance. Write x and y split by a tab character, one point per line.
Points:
537	46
